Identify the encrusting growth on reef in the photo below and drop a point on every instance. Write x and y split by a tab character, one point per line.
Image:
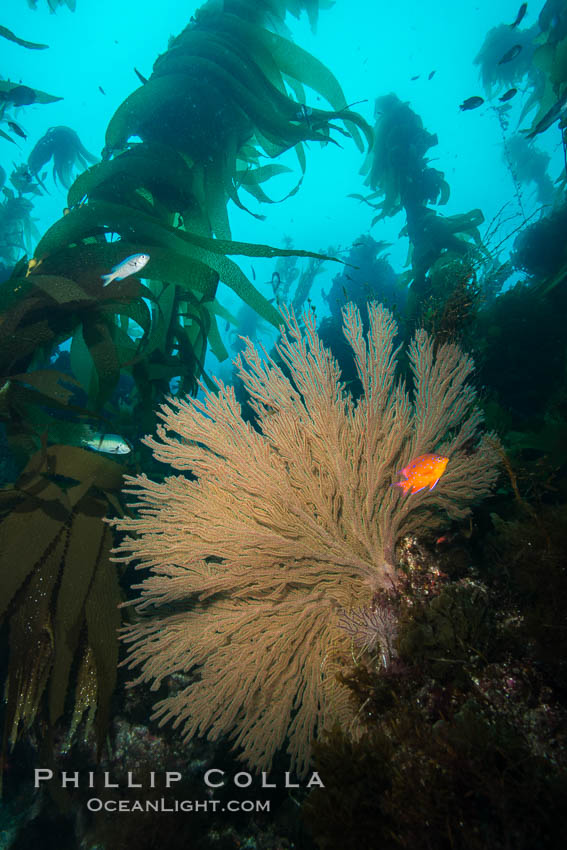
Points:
285	526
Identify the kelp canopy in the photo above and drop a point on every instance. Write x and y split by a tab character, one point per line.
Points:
177	150
236	76
226	94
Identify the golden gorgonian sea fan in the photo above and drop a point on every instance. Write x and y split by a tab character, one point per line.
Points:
283	526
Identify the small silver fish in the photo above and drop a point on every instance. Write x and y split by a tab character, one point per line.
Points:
109	443
131	265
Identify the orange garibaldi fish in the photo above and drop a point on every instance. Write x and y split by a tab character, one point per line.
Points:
423	471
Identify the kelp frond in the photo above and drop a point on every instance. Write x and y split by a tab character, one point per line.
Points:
59	590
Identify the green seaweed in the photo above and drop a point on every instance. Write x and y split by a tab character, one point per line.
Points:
47	592
103	217
10	36
39	96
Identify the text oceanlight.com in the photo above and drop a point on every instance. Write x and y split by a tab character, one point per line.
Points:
95	804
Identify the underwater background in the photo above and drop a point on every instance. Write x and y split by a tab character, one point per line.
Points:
282	327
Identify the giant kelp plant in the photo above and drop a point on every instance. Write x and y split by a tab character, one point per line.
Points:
18	233
59	592
521	338
63	146
367	276
18	94
506	58
400	177
184	143
534	58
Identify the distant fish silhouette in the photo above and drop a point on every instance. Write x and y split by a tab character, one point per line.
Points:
471	103
510	54
508	95
520	16
17	129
